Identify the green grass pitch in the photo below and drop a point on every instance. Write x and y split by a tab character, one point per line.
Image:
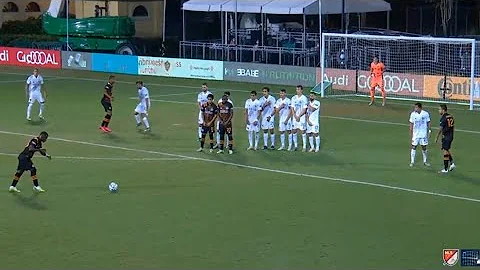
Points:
354	205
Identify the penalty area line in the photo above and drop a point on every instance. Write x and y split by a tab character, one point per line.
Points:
107	158
257	168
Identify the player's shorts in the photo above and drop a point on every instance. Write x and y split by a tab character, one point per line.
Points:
207	130
24	163
420	141
268	124
141	108
107	106
253	128
282	127
313	129
225	129
447	143
200	118
35	96
376	81
301	125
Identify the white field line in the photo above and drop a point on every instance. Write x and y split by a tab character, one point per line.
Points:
176	94
106	158
331	117
257	168
341	97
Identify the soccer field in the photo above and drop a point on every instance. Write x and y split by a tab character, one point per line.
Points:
355	205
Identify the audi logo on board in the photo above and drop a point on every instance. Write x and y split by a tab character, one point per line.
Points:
393	83
36	58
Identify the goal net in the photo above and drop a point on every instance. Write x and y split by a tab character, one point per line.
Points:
416	68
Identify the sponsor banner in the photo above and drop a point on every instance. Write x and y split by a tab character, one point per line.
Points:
402	84
23	57
76	60
180	68
115	63
269	74
458	88
341	79
396	83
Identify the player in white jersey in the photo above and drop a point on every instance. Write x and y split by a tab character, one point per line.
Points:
299	104
252	113
141	111
313	123
33	91
202	100
282	108
267	103
227	93
420	131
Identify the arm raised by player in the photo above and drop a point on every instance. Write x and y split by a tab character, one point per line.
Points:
32	148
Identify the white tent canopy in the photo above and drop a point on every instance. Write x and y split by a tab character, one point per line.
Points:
308	7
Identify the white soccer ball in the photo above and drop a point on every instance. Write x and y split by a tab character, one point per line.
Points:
113	187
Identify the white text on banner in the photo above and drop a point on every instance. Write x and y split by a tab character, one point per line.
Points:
180	68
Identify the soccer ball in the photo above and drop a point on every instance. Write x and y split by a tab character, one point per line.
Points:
113	187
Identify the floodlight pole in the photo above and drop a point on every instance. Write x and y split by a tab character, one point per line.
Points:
68	15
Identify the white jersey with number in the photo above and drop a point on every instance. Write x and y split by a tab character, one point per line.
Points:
420	124
34	89
202	100
144	100
313	111
299	103
253	108
285	121
268	116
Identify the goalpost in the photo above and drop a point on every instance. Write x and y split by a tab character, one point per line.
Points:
416	68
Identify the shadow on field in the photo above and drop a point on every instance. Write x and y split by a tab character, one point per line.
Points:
31	202
462	177
37	122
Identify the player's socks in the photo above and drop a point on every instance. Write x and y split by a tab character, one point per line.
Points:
304	141
199	132
295	140
272	139
412	156
16	178
250	138
450	158
145	122
106	120
424	154
138	119
218	138
282	140
265	139
257	138
311	141
317	140
290	140
42	108
35	181
202	141
446	161
29	111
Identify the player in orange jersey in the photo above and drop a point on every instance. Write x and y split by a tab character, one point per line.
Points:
376	79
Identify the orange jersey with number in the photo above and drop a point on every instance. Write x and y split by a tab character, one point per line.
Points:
377	69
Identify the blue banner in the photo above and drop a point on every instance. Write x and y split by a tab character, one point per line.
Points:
115	63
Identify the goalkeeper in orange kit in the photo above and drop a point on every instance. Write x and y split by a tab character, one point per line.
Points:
376	79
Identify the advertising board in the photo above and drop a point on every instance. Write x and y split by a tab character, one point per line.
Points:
23	57
180	68
269	74
115	63
76	60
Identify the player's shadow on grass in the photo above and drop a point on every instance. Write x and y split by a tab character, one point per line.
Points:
149	135
31	202
37	122
460	176
114	137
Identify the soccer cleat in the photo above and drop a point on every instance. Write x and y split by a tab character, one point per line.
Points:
255	149
200	149
29	119
38	189
215	146
102	129
13	189
304	149
443	171
311	150
370	104
383	104
139	124
147	130
230	152
317	150
272	147
281	148
211	150
220	152
107	129
411	165
294	149
452	167
426	164
41	117
250	148
265	147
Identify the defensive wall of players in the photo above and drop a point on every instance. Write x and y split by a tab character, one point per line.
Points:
350	81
